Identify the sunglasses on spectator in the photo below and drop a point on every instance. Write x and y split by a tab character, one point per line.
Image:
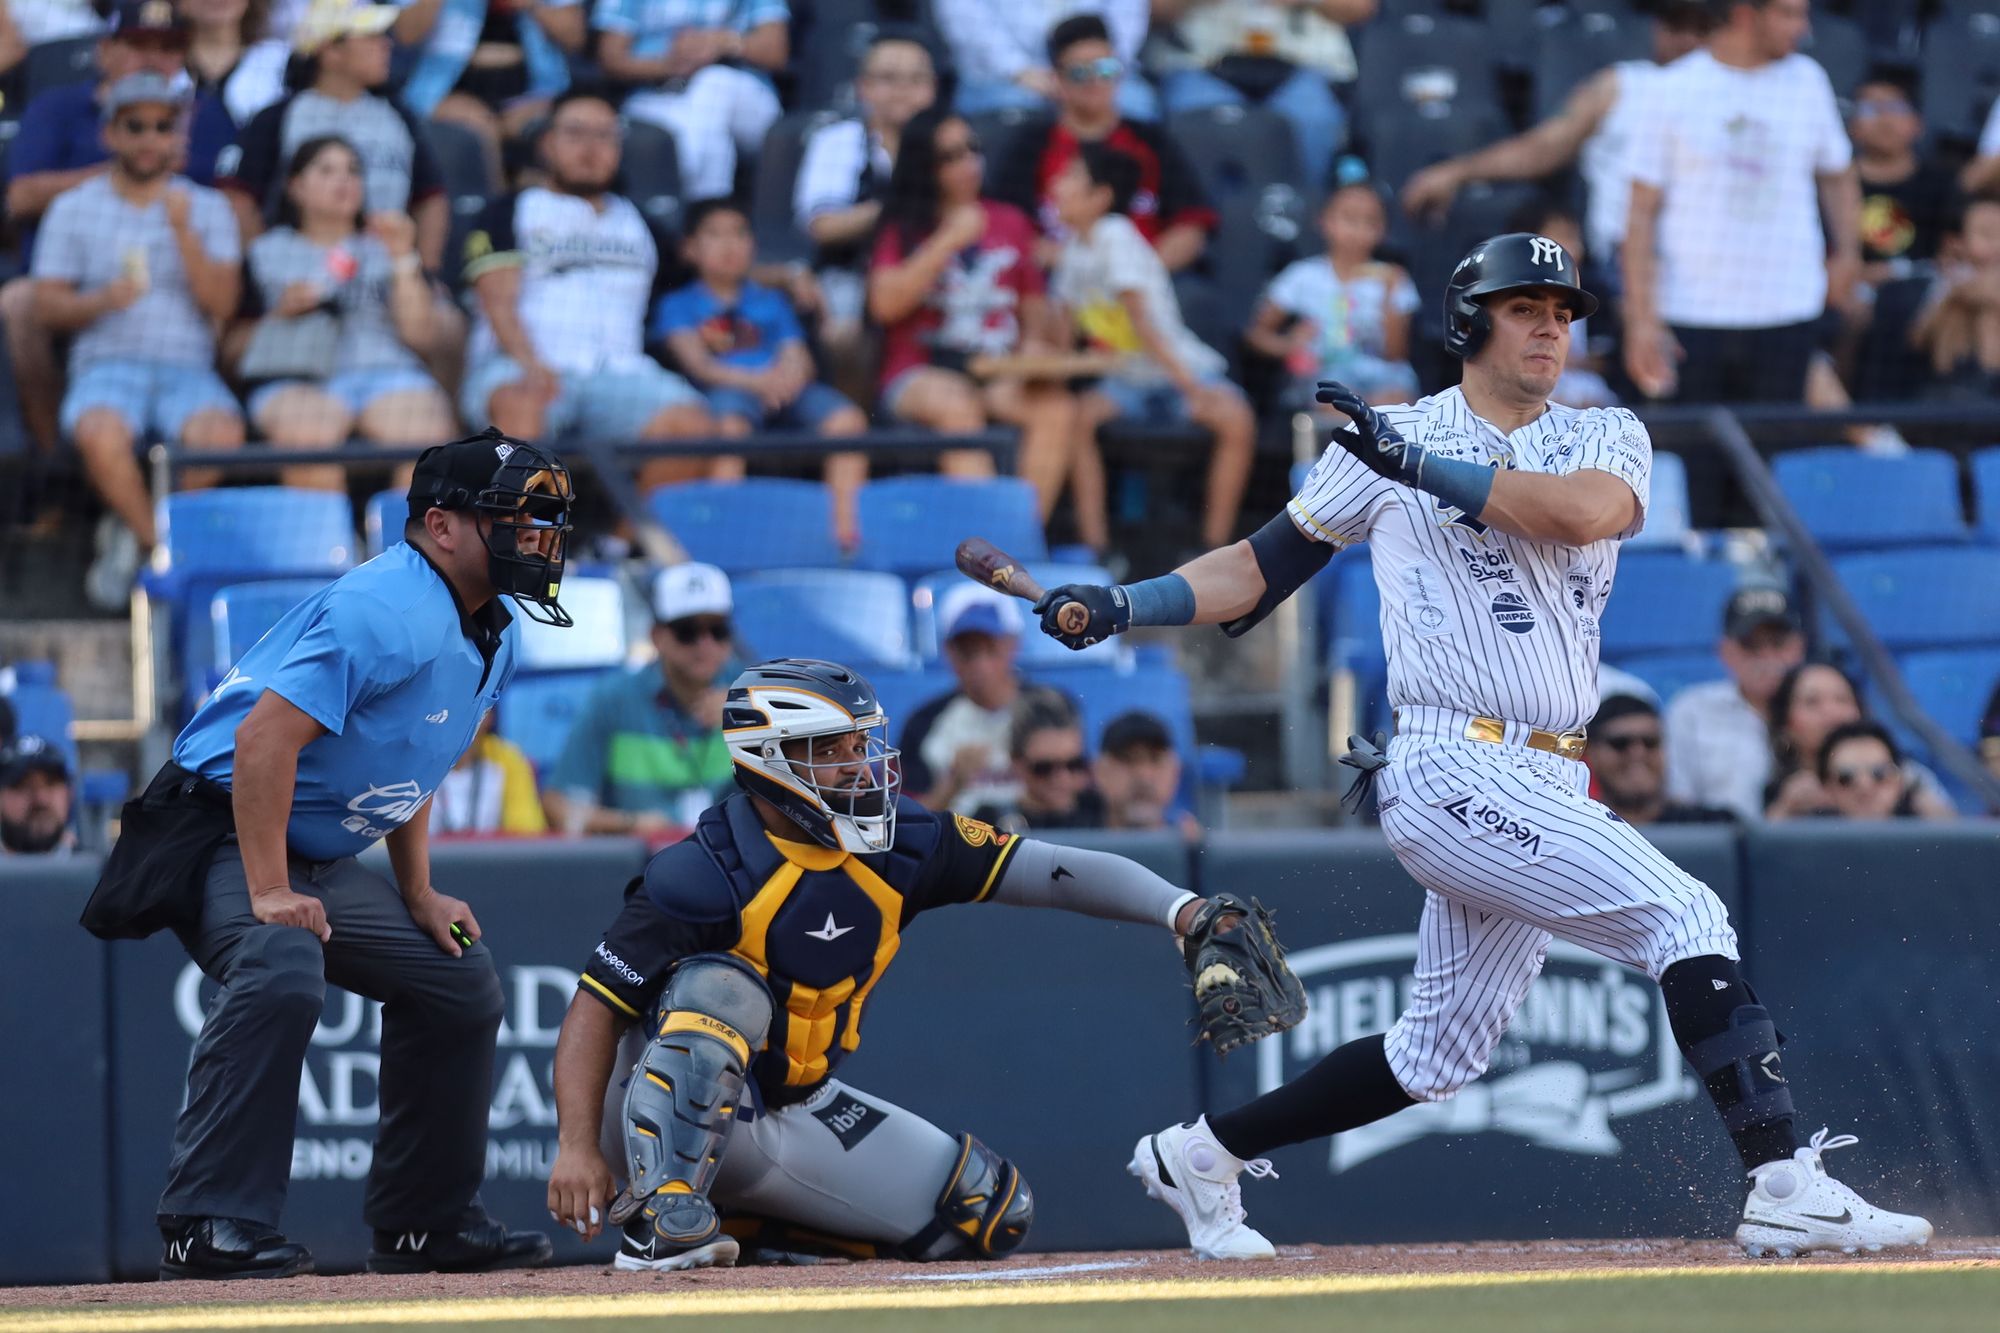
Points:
589	133
900	78
970	148
1883	106
1048	768
690	630
1620	744
1102	70
1854	777
131	126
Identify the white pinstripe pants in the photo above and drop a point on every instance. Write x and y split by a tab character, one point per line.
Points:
1512	851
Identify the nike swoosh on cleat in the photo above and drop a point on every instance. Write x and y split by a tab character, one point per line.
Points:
1846	1216
1161	1162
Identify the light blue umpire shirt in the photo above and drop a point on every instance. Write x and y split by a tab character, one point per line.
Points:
386	659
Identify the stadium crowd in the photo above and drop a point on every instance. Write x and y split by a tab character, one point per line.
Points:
299	223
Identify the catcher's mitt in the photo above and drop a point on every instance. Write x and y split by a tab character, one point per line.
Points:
1241	981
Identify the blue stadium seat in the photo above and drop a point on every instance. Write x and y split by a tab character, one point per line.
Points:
652	174
41	707
1037	648
238	616
596	640
248	534
904	692
1925	597
1986	492
912	525
757	523
1105	694
1667	521
538	709
1665	602
1848	499
382	521
1670	673
857	617
1237	151
779	239
1352	616
1952	686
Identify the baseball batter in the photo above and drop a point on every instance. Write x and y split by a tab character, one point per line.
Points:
1496	517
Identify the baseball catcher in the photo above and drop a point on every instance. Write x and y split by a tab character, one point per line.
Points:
737	974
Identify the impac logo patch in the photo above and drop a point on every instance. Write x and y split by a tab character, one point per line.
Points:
1589	1046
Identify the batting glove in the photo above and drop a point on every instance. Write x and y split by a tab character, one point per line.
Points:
1371	438
1110	613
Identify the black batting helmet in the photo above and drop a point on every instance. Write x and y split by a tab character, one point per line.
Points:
1519	260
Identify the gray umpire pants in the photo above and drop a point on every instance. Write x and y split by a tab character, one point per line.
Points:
843	1163
232	1152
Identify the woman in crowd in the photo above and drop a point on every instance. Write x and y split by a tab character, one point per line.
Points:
231	56
490	65
954	279
341	301
1810	703
1864	776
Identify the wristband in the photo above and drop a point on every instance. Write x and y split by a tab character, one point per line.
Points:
1465	486
1166	600
1174	909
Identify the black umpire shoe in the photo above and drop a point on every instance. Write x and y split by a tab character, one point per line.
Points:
228	1247
480	1245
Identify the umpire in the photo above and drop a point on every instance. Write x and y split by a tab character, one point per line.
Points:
332	732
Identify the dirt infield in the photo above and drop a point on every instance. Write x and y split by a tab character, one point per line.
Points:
1294	1261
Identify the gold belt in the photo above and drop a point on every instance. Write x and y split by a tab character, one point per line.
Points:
1568	744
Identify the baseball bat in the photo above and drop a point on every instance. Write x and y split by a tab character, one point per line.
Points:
983	562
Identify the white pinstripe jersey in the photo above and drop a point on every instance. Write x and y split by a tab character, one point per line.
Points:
1474	619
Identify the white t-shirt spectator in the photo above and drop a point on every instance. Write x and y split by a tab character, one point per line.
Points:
993	43
1094	272
1606	159
1718	749
1348	314
41	21
1736	153
587	278
92	236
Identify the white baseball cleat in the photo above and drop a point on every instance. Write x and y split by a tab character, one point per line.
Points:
1795	1207
1186	1169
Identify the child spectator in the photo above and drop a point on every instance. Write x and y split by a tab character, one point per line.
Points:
1343	315
954	278
742	344
139	264
491	789
343	303
1117	290
1906	198
1959	326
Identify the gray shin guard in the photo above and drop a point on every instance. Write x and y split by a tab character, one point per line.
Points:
683	1096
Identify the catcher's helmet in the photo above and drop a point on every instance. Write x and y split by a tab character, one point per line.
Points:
525	492
1509	263
799	698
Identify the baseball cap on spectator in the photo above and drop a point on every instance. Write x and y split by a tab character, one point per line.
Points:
1756	606
690	589
971	609
330	20
1136	730
32	754
144	89
147	19
1623	705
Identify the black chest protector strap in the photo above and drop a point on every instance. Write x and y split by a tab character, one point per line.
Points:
1288	559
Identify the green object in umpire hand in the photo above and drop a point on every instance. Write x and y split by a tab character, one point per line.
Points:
458	933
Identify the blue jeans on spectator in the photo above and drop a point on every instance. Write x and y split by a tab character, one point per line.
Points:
1136	99
1305	100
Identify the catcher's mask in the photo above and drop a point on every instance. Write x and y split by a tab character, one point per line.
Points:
1518	261
775	713
523	492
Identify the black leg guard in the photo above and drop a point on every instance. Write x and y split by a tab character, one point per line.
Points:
983	1211
1732	1044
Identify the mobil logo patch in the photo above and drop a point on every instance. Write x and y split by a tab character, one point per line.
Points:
1590	1046
1512	613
